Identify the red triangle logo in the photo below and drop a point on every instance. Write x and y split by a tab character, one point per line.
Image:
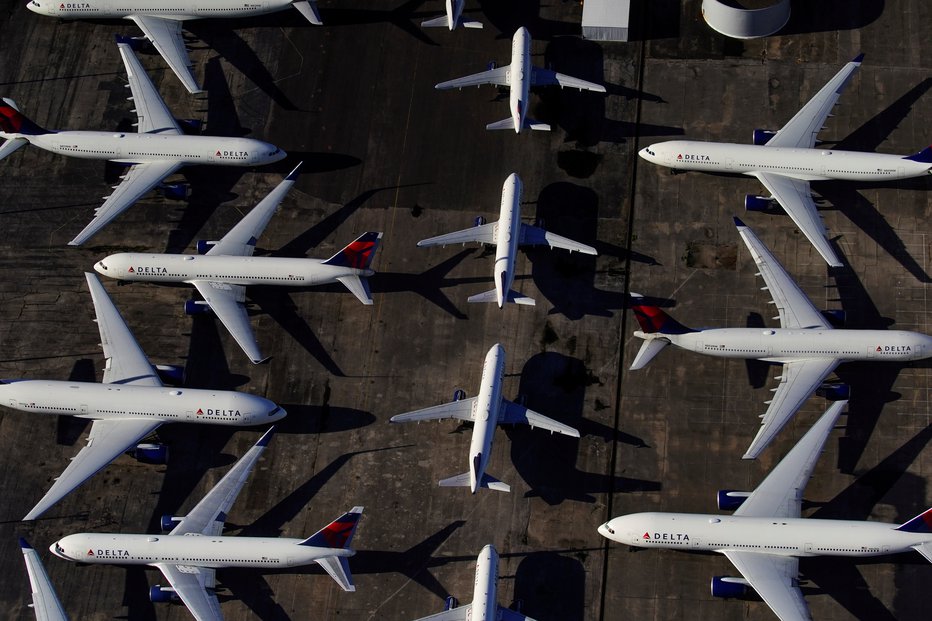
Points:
90	553
199	412
131	270
680	156
646	535
879	348
218	153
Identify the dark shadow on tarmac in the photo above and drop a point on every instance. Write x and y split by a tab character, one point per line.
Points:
551	586
831	15
507	17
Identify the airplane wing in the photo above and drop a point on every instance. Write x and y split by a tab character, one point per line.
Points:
482	234
512	413
125	362
546	77
499	76
45	602
536	236
190	584
780	494
795	198
165	35
242	238
462	409
154	117
207	516
460	613
774	578
227	303
795	307
802	129
107	439
799	380
136	183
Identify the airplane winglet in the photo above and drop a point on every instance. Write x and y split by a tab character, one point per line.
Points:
294	173
738	221
24	544
858	58
266	437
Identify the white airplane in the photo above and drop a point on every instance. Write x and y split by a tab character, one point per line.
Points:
190	554
485	411
787	160
129	405
765	536
520	76
155	152
222	274
45	601
161	21
805	343
453	17
484	606
507	234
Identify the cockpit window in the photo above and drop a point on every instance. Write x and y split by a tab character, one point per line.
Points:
275	411
102	264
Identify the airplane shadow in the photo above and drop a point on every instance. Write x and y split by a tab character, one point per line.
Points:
507	17
658	19
581	114
870	135
832	15
69	428
555	385
542	596
406	17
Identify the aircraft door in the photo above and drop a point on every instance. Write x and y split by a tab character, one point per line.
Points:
83	409
807	547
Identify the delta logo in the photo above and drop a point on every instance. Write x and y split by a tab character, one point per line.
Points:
90	553
74	5
666	537
141	269
231	153
894	349
213	412
693	158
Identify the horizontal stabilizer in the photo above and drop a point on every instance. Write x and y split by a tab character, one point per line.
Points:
488	481
649	349
924	549
470	23
437	22
492	296
359	287
338	568
536	125
12	146
508	123
309	11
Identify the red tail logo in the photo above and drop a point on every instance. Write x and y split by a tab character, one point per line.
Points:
357	253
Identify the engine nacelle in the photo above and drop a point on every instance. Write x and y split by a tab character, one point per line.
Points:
834	391
836	317
492	65
728	587
196	307
450	603
762	136
758	203
459	394
169	522
151	453
171	374
479	221
137	44
204	246
731	499
191	127
162	595
174	191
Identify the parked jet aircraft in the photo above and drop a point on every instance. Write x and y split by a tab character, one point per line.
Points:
45	601
520	76
507	234
227	267
190	554
161	21
156	151
805	343
453	18
765	536
485	411
129	405
484	606
787	160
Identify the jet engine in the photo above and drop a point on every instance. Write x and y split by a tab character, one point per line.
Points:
204	246
162	595
169	522
834	391
728	587
196	307
459	394
836	317
479	221
174	191
762	136
758	203
730	499
137	44
191	127
171	374
450	603
151	453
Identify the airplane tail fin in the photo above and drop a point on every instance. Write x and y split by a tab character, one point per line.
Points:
513	297
922	523
488	482
338	533
924	156
652	319
12	120
358	253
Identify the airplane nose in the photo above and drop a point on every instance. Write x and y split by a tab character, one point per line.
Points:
643	154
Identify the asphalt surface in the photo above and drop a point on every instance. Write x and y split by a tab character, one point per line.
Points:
384	151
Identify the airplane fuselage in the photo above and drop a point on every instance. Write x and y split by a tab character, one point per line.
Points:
487	405
157	403
805	164
777	536
172	9
782	345
181	268
507	235
520	77
134	148
485	590
195	550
